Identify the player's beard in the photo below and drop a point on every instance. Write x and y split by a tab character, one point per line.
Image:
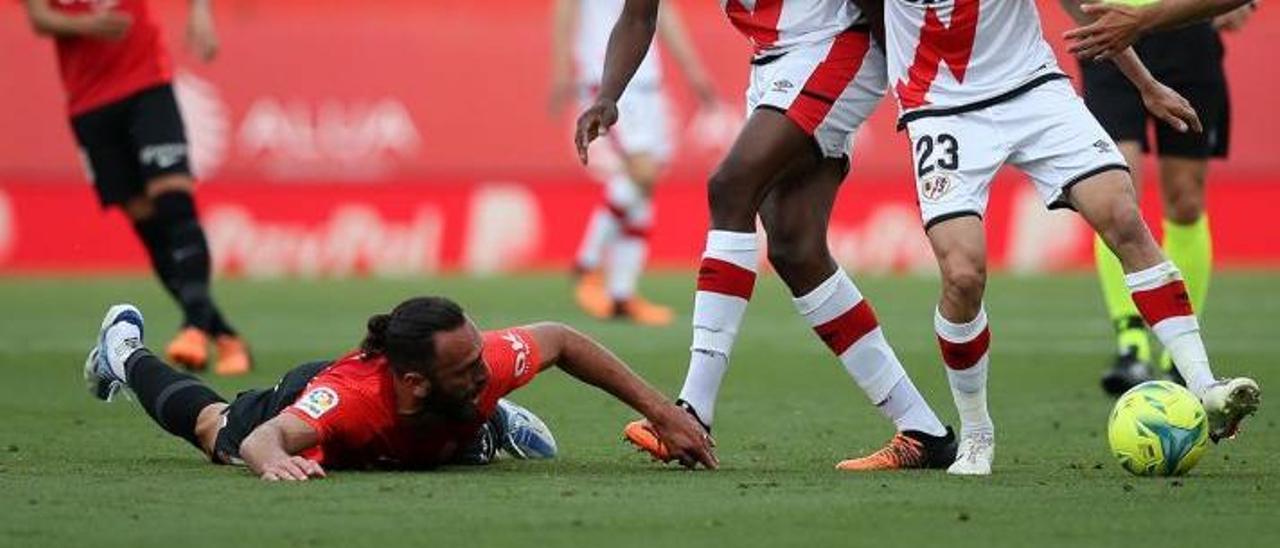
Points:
451	409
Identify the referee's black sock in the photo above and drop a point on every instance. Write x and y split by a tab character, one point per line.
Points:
189	256
173	399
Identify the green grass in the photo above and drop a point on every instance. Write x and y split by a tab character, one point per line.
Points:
74	471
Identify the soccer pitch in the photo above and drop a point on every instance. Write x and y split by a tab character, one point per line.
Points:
75	471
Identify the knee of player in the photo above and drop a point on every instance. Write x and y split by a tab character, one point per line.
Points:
964	277
1184	208
791	250
174	182
138	208
1125	224
731	202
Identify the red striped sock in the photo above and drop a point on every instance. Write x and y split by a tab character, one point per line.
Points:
726	280
965	349
1162	299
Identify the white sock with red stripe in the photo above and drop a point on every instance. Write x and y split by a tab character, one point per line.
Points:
601	230
606	221
1162	299
626	264
725	282
965	348
845	321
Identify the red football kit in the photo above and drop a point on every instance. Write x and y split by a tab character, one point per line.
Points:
96	72
353	408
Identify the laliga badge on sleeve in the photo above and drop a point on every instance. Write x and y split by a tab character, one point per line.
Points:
318	401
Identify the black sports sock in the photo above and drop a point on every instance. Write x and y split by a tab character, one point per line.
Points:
188	252
154	237
173	399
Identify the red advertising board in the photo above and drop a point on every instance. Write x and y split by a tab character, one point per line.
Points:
482	226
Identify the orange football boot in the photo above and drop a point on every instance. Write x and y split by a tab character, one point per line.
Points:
907	450
233	356
644	312
592	297
189	349
641	434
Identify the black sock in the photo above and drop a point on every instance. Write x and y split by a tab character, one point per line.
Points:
188	252
173	399
156	239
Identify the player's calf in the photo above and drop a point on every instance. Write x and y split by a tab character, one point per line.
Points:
174	400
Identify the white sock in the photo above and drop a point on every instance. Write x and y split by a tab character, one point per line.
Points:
1162	299
844	320
606	221
626	264
965	351
906	407
122	340
601	231
726	280
702	382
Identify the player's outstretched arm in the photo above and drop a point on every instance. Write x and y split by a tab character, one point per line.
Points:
675	35
1117	26
592	363
101	23
202	37
271	450
628	44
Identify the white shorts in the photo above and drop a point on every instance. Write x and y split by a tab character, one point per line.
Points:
1046	132
643	128
828	89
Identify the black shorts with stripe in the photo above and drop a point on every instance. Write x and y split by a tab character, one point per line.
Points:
130	142
251	408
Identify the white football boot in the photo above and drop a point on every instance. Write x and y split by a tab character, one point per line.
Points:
119	336
1227	402
974	457
524	435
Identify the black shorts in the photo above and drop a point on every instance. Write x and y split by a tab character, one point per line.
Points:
251	408
1189	60
132	141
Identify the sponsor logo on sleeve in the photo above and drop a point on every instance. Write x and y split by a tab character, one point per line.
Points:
317	402
521	350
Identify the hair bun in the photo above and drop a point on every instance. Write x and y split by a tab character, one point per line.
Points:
376	340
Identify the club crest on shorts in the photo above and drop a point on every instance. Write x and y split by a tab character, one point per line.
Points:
317	402
934	187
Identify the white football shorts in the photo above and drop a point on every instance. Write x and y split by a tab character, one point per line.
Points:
1046	132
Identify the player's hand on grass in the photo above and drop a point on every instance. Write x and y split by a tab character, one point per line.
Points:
1115	28
293	468
593	123
202	38
1173	109
106	24
686	441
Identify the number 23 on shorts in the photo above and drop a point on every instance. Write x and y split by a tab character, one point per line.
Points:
937	157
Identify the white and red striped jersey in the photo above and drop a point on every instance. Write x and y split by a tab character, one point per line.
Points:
777	26
948	54
595	23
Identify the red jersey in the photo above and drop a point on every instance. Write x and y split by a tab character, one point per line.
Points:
352	406
96	72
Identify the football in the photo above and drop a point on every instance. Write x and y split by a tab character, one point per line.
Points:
1158	428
